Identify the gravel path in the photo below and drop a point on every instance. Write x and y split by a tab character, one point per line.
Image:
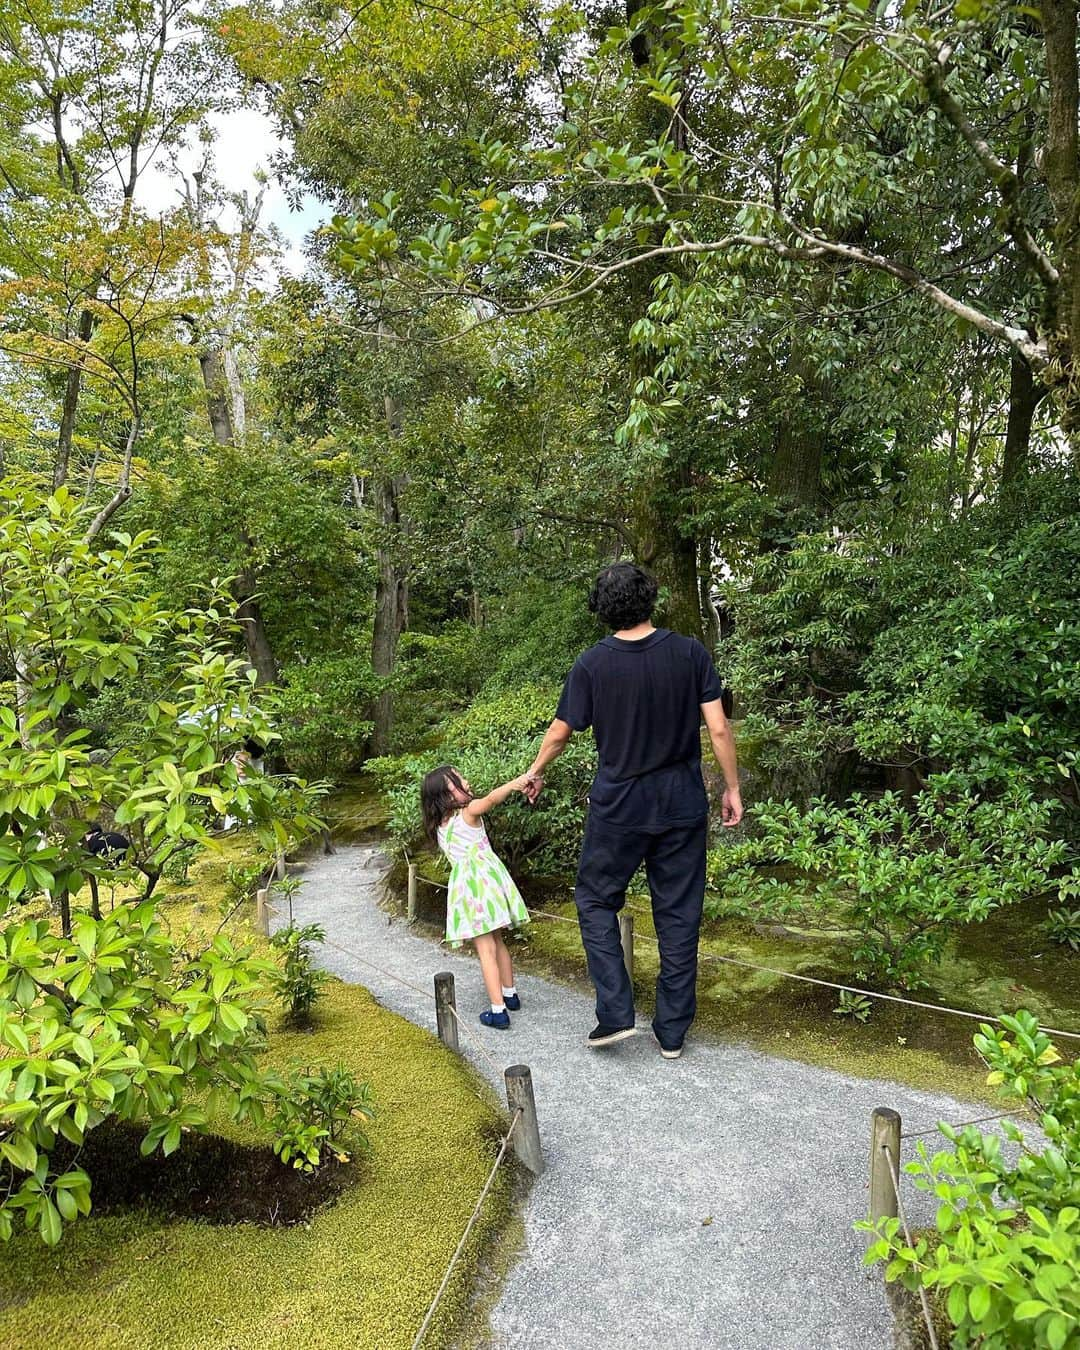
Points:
707	1201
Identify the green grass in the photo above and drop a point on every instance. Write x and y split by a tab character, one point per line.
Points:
359	1273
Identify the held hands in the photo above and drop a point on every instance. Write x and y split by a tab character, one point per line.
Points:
534	783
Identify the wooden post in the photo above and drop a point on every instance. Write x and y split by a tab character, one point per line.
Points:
884	1134
626	937
445	1004
412	893
519	1095
262	914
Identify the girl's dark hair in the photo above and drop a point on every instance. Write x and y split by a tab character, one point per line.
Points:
624	596
436	799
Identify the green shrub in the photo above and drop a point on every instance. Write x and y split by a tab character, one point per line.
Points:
117	1022
863	653
297	983
1006	1243
324	710
899	876
321	1111
493	740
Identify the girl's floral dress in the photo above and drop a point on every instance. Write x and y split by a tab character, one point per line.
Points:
481	896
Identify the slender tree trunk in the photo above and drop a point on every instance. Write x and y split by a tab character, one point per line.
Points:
1024	396
218	406
224	407
72	389
711	635
249	614
1062	170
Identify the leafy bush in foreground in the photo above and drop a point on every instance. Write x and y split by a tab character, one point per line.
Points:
117	1022
1007	1240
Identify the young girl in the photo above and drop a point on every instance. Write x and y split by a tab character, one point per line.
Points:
482	899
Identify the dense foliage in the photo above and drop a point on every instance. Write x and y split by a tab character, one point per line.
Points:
495	739
780	300
1007	1239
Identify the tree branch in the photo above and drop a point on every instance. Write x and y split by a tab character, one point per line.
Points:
1000	174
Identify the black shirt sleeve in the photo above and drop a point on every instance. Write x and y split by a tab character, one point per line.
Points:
575	706
708	682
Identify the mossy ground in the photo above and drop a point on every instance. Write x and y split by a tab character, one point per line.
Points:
359	1272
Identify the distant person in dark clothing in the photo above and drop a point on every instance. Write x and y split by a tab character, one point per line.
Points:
644	691
106	843
109	845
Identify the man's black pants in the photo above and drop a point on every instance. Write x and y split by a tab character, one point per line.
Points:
674	859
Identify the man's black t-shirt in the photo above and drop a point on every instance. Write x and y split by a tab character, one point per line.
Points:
643	701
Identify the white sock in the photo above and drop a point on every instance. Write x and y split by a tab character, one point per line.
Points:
509	993
501	1008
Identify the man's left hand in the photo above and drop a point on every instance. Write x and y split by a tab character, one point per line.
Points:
731	807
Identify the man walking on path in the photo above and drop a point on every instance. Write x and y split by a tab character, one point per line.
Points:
644	691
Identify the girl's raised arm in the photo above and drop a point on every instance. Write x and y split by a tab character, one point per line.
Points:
476	808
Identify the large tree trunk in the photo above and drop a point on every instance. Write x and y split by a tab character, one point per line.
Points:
666	550
794	477
391	600
1024	396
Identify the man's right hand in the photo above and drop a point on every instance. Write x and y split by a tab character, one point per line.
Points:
534	786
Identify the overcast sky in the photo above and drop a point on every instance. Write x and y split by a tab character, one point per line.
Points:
245	143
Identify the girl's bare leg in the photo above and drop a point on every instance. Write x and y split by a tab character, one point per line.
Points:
489	966
506	965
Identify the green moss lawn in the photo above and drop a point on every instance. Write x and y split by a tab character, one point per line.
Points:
359	1273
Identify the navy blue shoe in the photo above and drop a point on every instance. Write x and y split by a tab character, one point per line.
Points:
500	1021
513	1002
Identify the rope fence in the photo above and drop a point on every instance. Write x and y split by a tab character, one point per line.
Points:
417	1340
523	1132
893	1171
716	958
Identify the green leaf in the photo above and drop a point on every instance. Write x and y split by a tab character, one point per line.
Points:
979	1302
1031	1307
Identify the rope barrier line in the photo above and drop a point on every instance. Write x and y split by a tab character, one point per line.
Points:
807	979
892	1170
464	1026
963	1124
424	993
465	1236
826	984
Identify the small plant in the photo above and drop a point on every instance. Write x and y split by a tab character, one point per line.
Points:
856	1006
1063	925
320	1115
297	983
176	865
287	887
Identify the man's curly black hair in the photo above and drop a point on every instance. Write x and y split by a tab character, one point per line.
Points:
624	595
